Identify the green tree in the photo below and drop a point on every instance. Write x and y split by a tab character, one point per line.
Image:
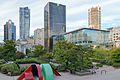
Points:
82	54
28	51
115	56
39	51
72	56
1	53
62	52
9	49
101	53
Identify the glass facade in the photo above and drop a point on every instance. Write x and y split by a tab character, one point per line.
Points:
85	36
10	31
24	22
54	22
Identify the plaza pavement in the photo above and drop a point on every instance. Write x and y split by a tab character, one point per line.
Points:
112	74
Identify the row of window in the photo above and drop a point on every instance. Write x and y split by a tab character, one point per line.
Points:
82	42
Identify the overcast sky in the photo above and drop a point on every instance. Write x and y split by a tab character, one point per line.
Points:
76	11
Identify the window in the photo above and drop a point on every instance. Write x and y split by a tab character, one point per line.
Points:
79	41
89	41
75	42
84	41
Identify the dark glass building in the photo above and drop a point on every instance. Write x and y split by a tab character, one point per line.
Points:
54	22
24	22
9	31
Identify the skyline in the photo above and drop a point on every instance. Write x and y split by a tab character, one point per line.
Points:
76	13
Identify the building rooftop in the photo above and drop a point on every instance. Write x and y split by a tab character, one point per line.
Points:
87	29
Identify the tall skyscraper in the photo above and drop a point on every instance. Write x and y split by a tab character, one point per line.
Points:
54	22
39	36
24	22
9	31
94	18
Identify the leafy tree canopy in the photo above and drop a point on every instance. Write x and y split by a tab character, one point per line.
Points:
115	56
71	55
39	50
9	49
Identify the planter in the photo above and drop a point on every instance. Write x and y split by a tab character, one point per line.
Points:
82	73
72	71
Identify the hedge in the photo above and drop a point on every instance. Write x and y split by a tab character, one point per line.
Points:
30	60
116	65
99	65
59	68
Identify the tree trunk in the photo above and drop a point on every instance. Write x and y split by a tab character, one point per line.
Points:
82	63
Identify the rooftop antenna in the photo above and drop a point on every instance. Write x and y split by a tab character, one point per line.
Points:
58	4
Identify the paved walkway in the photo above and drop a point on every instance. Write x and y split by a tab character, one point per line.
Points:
112	74
4	77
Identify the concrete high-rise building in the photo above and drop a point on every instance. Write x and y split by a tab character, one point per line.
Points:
24	22
9	31
39	36
94	18
114	36
54	22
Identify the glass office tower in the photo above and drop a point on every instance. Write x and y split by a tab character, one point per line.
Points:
54	22
9	31
24	22
85	37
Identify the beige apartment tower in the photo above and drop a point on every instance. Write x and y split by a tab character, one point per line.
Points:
114	36
94	18
39	36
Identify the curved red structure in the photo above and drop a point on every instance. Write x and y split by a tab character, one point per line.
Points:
28	74
55	72
22	76
39	72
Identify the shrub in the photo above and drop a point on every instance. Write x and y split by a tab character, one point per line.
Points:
32	55
61	68
2	61
116	65
55	67
19	55
12	67
17	72
109	63
115	56
103	61
99	65
23	69
1	66
4	70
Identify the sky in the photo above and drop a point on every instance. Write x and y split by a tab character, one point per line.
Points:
76	13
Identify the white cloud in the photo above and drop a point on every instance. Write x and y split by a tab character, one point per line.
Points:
75	8
77	23
108	19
